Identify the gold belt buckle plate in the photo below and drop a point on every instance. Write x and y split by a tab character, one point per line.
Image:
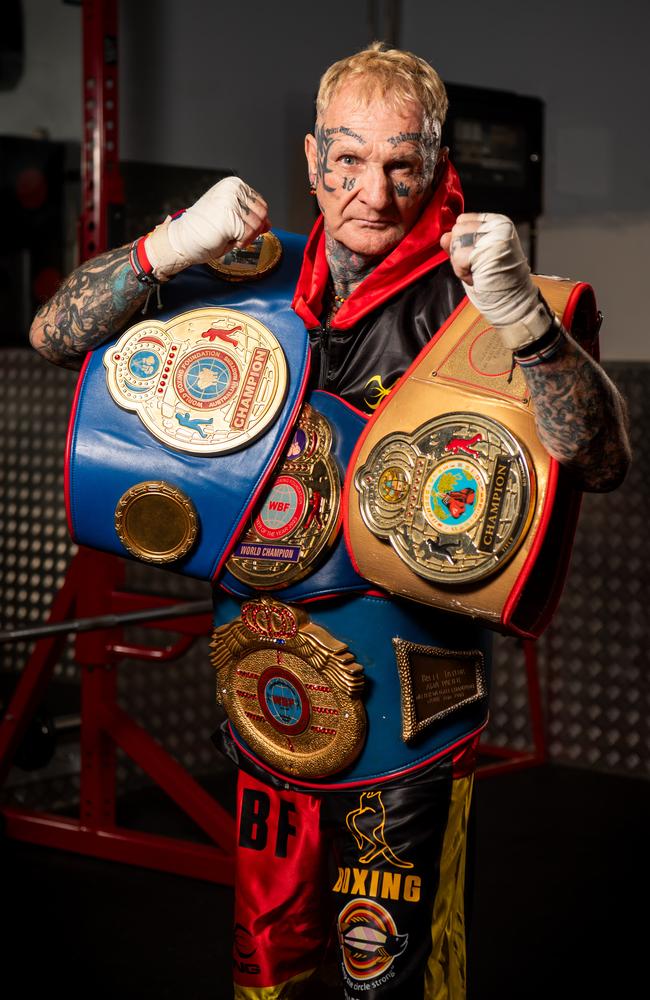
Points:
290	688
454	498
206	382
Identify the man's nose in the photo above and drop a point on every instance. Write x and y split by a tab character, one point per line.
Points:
377	188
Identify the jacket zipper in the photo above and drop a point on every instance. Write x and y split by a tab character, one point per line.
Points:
324	343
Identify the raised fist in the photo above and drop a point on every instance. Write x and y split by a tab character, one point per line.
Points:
231	214
486	255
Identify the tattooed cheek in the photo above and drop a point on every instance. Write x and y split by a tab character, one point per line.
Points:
402	190
348	183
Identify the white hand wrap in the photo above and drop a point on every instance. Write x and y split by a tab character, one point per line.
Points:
207	229
503	290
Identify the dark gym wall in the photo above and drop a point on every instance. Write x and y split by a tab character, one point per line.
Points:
231	85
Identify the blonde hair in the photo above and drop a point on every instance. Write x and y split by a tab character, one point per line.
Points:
399	77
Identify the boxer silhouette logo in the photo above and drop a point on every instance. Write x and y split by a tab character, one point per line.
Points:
367	824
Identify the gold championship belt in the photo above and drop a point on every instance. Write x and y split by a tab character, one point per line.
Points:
454	510
206	382
297	521
291	689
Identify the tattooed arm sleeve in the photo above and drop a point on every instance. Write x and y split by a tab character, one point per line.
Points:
580	417
92	304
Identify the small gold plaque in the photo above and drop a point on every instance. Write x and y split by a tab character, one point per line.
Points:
251	262
290	688
436	682
156	522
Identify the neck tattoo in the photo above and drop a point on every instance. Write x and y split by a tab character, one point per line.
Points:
347	268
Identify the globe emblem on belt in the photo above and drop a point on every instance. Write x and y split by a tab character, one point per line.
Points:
284	701
207	378
283	508
216	384
454	496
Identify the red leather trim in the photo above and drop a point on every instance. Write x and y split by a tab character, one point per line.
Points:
331	594
581	290
364	781
347	485
235	533
68	446
418	253
515	593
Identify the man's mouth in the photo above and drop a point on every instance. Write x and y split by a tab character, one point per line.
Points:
374	223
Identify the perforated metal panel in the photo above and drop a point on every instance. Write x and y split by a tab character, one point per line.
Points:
596	652
35	547
592	660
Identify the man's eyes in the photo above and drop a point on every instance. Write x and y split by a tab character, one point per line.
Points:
398	165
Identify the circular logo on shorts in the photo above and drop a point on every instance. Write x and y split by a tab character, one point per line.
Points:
207	378
283	701
283	508
368	938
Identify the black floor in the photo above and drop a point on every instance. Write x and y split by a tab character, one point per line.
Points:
559	904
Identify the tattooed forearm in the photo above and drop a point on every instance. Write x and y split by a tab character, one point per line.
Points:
348	183
344	130
323	145
91	305
580	417
402	189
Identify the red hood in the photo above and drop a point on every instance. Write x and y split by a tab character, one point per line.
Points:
418	253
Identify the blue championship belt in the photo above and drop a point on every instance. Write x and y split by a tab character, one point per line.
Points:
338	692
194	403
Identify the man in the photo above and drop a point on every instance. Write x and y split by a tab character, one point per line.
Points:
382	272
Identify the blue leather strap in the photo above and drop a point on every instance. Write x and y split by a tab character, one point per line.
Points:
368	625
111	450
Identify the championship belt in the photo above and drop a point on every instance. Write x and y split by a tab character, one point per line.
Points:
293	542
465	510
178	423
299	517
292	690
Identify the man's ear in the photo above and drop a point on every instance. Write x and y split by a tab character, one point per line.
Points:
310	153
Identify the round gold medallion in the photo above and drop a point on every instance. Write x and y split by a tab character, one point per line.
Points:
156	522
290	688
251	262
